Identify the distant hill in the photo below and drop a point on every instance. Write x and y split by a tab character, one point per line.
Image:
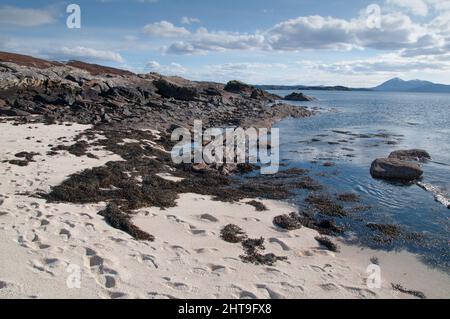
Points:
308	88
393	85
399	85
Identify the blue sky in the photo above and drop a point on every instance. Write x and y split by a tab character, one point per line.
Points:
346	42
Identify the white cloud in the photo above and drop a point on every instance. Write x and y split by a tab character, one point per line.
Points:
189	20
87	53
417	7
313	32
439	5
397	31
25	17
389	64
165	29
169	69
203	41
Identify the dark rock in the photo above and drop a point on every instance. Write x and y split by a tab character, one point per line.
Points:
239	88
411	155
298	97
172	90
259	94
13	112
395	169
211	91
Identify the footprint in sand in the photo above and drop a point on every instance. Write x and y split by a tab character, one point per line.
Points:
8	289
180	250
202	251
65	234
44	222
199	232
247	295
283	245
329	287
103	275
360	292
157	295
179	286
84	215
208	217
89	226
40	267
35	205
272	293
69	223
146	259
221	269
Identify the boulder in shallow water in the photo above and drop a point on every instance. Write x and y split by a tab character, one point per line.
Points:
395	169
298	97
411	155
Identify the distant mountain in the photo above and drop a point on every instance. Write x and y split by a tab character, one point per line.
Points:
393	85
399	85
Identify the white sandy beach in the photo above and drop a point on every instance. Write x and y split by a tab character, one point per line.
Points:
41	242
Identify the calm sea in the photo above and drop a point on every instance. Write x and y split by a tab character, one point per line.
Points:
353	129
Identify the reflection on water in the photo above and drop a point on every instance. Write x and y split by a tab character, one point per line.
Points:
352	130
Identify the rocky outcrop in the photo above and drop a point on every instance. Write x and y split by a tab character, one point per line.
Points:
86	93
239	87
411	155
171	90
247	90
25	60
298	97
259	94
395	169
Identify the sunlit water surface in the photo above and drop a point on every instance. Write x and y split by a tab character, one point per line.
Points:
353	129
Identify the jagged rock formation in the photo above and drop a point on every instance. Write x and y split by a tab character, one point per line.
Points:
93	94
298	97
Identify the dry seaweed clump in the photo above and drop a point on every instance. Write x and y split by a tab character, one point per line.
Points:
25	158
327	243
414	293
253	248
77	149
288	222
232	234
295	221
260	207
122	221
326	205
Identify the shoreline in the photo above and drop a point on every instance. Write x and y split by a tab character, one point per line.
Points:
187	252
